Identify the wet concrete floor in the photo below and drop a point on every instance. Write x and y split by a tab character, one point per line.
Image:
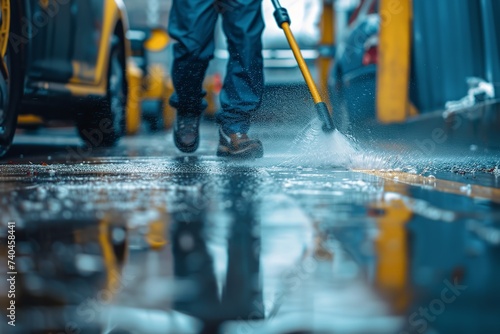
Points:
324	239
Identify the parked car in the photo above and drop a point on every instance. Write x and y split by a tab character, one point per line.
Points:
354	75
65	60
12	59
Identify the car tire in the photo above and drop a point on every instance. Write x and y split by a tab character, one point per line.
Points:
10	95
105	124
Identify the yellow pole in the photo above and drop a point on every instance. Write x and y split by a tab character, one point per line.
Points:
327	40
392	250
302	63
394	61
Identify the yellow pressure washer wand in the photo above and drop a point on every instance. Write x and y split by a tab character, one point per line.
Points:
283	20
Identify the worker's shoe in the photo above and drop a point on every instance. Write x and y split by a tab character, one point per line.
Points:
239	145
187	133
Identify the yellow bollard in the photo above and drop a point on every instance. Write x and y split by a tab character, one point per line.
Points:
393	74
392	250
133	113
168	110
327	40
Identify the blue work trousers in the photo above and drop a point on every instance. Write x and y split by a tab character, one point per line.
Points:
192	24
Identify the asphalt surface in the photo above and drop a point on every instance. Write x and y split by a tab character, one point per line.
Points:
323	235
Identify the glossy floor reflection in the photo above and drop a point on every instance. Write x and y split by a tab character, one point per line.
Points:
141	239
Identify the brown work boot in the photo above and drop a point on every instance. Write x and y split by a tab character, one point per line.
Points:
238	145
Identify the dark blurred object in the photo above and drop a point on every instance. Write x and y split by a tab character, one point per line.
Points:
444	54
456	40
354	75
150	83
138	38
148	13
68	272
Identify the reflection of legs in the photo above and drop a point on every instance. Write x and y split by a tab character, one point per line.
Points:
242	295
194	266
192	24
243	85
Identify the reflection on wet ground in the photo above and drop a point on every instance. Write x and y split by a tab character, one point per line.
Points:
149	241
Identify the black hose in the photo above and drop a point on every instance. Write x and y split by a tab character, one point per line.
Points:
276	4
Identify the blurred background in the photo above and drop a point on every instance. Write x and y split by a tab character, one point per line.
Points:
389	225
379	63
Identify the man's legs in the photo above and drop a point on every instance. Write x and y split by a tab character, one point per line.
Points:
192	25
244	82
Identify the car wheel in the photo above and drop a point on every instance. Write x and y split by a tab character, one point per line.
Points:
10	94
106	124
